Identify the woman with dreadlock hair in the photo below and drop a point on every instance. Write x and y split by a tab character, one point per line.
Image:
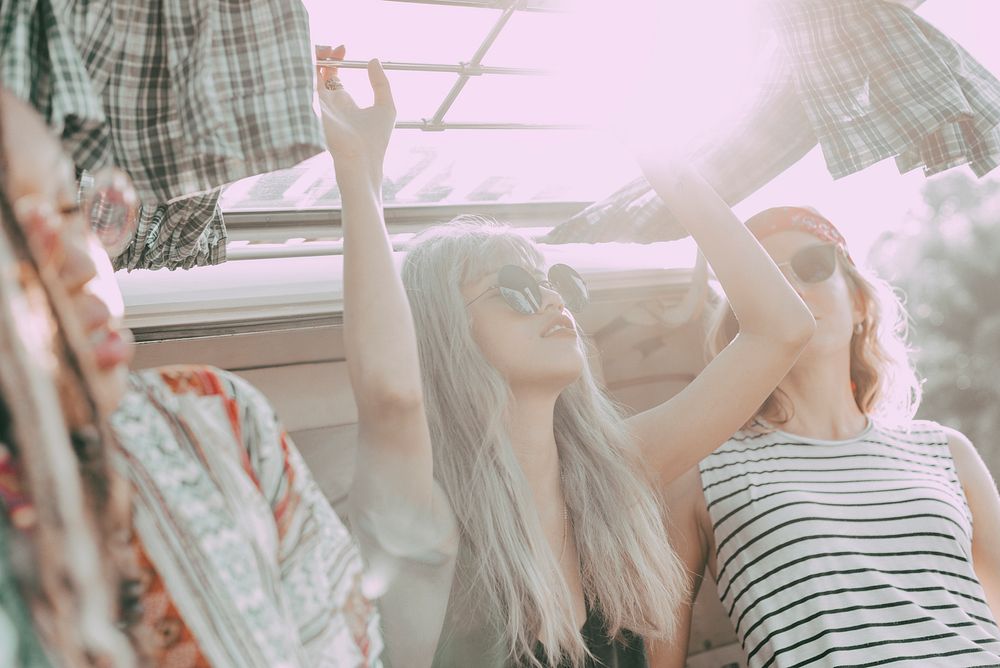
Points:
241	559
65	565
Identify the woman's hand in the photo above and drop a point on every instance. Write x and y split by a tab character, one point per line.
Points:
356	137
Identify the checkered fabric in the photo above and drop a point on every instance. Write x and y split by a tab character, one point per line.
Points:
180	235
185	95
866	79
877	81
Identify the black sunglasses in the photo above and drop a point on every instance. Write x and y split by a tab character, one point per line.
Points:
523	292
812	264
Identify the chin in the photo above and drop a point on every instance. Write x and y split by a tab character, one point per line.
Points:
110	387
825	346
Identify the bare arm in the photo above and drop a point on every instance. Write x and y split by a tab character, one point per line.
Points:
404	525
689	540
774	327
984	502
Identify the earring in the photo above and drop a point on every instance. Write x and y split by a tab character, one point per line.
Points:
858	327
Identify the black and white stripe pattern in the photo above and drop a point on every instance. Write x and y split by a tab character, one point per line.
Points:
848	553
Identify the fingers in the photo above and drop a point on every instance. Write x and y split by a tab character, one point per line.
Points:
325	73
327	78
380	84
330	53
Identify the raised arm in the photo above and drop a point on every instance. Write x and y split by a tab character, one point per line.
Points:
689	529
774	327
402	520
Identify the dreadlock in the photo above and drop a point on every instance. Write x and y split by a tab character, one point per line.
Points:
77	562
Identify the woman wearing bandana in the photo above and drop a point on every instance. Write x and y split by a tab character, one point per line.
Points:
840	530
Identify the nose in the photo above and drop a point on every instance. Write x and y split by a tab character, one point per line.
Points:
551	298
78	267
93	312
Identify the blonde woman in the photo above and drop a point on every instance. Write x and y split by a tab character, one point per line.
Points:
497	487
840	530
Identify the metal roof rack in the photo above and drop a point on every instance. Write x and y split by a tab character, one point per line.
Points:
523	5
472	68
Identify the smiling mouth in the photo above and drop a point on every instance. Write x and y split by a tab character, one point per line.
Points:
558	328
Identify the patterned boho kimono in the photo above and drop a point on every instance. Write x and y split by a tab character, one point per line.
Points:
246	564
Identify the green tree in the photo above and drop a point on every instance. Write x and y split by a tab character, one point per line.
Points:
946	260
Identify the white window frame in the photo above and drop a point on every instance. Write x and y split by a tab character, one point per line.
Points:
264	294
466	70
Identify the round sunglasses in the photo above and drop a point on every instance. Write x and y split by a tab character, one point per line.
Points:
523	292
109	203
812	264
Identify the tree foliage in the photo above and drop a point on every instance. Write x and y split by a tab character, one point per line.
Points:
946	260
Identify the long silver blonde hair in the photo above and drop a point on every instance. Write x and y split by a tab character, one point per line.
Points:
507	577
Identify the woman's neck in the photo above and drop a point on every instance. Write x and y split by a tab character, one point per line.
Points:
820	401
532	436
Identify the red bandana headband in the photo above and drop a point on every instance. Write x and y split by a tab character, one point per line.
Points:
785	218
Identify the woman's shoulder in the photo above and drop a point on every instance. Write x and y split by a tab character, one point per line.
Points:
192	379
946	444
183	389
753	442
923	432
754	435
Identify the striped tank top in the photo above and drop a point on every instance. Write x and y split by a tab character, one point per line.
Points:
848	553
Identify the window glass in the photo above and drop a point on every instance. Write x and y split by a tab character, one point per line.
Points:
460	165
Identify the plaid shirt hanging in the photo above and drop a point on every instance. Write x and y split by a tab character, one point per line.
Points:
866	79
185	95
877	81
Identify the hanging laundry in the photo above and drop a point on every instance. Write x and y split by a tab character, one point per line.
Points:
184	95
865	79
